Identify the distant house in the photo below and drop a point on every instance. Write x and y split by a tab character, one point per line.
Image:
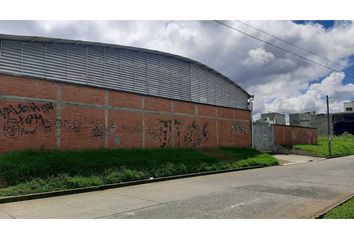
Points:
349	106
273	118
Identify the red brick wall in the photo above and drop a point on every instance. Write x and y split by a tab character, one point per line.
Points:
289	135
41	114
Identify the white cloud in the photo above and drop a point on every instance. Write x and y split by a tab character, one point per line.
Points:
314	98
258	57
280	81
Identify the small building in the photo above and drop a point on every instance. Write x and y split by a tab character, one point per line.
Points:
302	119
349	106
273	118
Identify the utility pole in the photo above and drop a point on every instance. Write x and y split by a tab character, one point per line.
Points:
250	107
329	130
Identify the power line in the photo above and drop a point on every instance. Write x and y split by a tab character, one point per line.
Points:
275	46
290	43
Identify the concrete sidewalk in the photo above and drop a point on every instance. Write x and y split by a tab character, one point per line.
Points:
292	191
288	159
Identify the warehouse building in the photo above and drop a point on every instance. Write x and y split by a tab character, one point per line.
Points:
67	94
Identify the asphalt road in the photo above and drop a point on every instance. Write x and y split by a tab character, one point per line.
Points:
292	191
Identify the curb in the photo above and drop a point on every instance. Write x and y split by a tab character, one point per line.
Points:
115	185
326	210
338	156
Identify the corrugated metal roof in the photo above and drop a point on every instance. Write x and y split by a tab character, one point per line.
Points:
37	39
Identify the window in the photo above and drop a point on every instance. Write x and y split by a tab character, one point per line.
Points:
349	109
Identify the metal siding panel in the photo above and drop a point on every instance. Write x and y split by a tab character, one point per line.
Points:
153	76
77	64
175	76
121	69
11	57
164	83
211	88
140	64
127	73
165	77
112	68
234	95
95	66
56	62
175	87
226	93
219	99
186	88
194	83
203	85
185	70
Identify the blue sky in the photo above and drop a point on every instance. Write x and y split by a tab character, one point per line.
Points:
325	23
350	71
349	75
328	24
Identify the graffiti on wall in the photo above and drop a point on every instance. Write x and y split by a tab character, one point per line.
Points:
19	120
25	108
196	134
190	136
97	128
29	119
24	119
166	131
240	128
163	132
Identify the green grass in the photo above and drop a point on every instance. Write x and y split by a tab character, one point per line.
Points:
345	210
341	146
33	171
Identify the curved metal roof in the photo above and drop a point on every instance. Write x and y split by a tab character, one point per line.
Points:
37	39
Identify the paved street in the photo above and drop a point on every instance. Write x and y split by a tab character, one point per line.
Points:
291	191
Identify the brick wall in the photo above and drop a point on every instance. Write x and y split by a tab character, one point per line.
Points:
41	114
289	135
